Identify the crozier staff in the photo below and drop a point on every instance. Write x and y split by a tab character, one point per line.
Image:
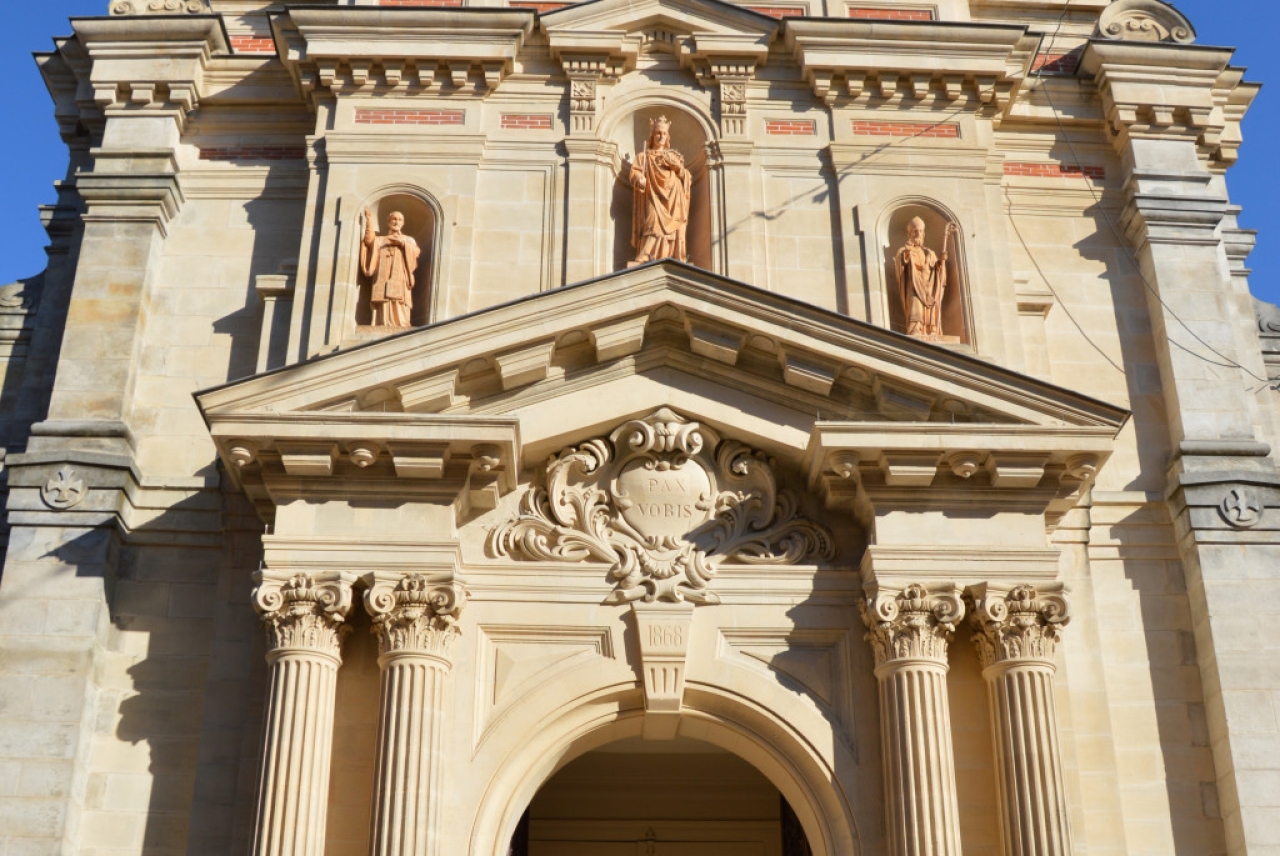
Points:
922	278
391	264
661	183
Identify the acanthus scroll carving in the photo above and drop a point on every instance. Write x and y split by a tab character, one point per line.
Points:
414	614
915	623
1022	623
303	611
663	501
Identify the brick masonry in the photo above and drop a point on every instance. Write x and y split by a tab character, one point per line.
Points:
253	45
1054	170
251	153
540	7
790	127
1057	63
871	13
933	130
527	121
420	2
780	11
410	117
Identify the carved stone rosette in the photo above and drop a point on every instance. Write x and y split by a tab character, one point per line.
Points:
1017	631
663	501
909	630
305	618
416	622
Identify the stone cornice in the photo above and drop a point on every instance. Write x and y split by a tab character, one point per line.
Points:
1156	90
892	63
876	469
151	64
469	461
368	50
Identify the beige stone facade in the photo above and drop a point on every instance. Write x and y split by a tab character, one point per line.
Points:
703	557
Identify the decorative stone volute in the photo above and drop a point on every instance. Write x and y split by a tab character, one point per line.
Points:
911	624
160	7
306	611
663	501
1022	623
415	614
1145	21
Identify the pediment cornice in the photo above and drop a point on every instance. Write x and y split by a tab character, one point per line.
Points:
462	405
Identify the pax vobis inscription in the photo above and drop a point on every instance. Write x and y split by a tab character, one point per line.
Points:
664	501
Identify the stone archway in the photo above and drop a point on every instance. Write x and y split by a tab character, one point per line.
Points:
671	798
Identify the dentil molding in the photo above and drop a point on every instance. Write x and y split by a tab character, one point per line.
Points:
663	501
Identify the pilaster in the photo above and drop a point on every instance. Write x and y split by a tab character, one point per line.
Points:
1173	113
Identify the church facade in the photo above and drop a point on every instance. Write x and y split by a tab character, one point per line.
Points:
661	427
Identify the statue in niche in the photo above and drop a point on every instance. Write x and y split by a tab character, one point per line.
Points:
661	183
922	278
390	262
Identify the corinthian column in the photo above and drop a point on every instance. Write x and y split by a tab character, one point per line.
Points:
305	619
1016	631
415	621
909	631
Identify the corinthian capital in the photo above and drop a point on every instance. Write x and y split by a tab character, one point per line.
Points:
1022	623
916	622
413	614
304	610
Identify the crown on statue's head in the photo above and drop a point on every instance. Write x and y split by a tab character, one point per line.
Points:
660	122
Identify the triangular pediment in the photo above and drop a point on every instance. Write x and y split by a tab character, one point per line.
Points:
585	356
622	27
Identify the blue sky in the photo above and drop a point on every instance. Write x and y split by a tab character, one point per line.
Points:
35	157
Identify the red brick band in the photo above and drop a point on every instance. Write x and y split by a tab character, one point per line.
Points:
790	127
419	2
1057	63
410	117
871	13
780	11
1055	170
253	45
251	153
527	121
906	129
539	7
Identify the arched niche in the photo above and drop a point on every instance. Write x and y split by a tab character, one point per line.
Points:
420	223
629	134
893	237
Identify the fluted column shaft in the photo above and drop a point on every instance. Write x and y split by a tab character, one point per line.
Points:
305	621
1016	631
909	632
416	623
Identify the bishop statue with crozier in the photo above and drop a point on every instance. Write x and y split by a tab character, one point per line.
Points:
922	278
661	183
390	263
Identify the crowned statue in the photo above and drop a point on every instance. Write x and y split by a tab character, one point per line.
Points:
390	263
661	182
922	279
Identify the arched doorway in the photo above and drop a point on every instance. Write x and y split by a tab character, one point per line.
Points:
681	797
